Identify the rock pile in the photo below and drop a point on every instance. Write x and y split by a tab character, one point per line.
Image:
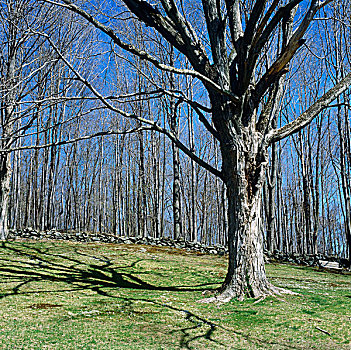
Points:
305	259
293	258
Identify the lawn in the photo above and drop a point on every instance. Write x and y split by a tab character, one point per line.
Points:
63	295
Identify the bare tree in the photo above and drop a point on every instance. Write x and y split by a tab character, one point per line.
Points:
25	62
339	45
226	56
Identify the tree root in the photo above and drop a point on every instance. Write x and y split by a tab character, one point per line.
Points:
227	295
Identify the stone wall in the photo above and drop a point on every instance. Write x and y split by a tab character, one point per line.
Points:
276	256
30	233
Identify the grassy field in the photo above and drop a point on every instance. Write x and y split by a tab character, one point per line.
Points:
60	295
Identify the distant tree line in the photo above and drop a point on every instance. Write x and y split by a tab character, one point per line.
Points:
68	163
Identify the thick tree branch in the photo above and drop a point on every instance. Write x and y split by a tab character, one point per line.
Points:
277	69
261	26
143	54
263	33
260	40
185	29
252	46
256	13
217	35
306	117
235	25
193	50
267	109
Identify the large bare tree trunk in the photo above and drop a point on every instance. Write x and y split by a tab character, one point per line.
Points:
246	273
244	175
244	171
176	194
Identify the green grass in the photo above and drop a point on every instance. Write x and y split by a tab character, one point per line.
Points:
61	295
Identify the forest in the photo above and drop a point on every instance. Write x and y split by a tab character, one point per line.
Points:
119	117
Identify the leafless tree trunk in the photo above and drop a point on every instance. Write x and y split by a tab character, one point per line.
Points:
8	105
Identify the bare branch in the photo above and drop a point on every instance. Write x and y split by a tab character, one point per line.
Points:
217	34
277	69
306	117
152	124
256	13
185	29
74	140
143	54
193	50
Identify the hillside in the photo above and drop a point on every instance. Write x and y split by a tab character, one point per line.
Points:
64	295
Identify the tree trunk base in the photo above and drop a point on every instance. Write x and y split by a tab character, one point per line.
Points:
228	293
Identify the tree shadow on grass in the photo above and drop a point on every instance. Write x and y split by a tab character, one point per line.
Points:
35	264
23	264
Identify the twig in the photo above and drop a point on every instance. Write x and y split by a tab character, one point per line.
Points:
323	330
261	299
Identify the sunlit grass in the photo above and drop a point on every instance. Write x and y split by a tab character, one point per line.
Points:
62	295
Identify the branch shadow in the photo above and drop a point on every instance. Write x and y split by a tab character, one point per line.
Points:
199	321
46	265
29	263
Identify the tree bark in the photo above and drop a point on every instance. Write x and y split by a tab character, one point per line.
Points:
174	126
244	171
176	193
246	274
271	175
5	177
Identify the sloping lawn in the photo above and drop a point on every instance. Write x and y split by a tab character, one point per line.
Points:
62	295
